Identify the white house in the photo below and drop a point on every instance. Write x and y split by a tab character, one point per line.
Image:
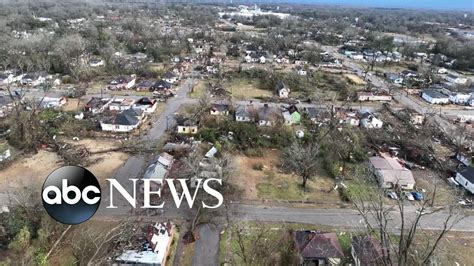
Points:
459	97
465	177
262	59
434	97
124	121
368	120
282	90
146	105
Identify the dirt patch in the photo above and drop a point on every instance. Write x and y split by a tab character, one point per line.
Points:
105	164
74	105
355	79
29	171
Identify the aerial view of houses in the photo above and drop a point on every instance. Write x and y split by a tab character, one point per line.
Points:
236	133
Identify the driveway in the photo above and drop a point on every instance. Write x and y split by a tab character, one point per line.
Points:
206	249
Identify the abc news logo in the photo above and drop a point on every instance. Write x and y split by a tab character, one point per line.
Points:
71	195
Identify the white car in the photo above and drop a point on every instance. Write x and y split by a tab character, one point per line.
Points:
409	196
392	195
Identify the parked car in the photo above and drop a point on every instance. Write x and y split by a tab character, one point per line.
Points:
409	196
417	195
392	195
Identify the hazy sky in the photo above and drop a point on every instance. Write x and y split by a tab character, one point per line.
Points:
467	5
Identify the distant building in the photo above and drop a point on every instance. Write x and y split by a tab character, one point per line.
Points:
282	90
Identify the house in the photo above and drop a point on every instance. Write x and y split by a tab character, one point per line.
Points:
53	102
161	86
455	79
367	251
97	105
145	85
317	115
124	121
459	97
262	59
266	116
317	248
122	83
186	126
146	105
390	173
154	251
465	177
291	115
434	97
121	104
282	90
243	113
219	109
394	78
351	118
368	120
170	77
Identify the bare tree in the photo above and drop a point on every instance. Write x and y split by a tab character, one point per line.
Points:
302	159
400	246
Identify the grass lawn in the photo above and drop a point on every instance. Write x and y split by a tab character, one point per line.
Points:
245	88
199	89
271	184
187	257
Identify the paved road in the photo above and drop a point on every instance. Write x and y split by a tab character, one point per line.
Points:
135	165
348	218
206	249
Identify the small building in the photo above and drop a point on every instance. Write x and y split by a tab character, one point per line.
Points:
367	251
434	97
121	104
282	90
317	248
186	126
243	113
390	173
219	109
161	86
465	177
459	97
368	120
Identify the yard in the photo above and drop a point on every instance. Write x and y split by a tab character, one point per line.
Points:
261	179
245	88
